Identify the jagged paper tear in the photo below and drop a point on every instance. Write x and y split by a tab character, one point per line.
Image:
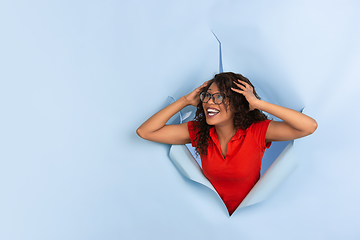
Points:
277	161
185	160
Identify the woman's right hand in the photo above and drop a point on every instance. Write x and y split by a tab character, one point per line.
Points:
155	128
193	98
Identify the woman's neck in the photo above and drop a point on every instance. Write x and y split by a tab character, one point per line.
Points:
225	132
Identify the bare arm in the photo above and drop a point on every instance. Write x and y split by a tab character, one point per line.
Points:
154	129
294	125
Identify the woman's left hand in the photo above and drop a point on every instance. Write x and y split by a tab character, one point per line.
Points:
248	92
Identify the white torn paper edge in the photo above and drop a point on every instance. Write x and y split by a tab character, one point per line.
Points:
184	159
187	165
190	165
282	167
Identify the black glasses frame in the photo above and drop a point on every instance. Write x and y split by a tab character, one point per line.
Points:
206	94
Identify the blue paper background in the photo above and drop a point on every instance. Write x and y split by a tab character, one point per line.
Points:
78	77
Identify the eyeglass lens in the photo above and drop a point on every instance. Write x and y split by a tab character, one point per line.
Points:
205	97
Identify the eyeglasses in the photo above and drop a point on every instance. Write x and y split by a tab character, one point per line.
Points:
216	97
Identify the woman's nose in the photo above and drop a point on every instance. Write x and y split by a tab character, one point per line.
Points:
211	100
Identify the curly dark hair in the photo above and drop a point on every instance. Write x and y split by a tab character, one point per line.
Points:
243	118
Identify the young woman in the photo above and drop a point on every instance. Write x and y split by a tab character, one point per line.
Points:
230	132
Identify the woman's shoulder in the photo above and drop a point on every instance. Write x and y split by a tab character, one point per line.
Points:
193	125
258	125
257	131
193	128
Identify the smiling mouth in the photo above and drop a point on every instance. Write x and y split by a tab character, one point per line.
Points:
212	112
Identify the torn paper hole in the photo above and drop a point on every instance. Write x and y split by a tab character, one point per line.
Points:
277	162
280	160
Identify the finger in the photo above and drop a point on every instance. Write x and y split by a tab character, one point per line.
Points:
240	85
247	85
237	90
199	87
244	83
203	85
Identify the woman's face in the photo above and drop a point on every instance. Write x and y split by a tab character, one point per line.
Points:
217	114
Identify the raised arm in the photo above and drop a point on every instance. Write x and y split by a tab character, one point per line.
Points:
154	129
294	125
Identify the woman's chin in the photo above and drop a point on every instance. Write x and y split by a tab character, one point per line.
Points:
210	121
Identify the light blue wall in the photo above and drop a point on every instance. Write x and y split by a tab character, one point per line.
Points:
78	77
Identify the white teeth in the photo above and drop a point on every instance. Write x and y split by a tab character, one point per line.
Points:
212	111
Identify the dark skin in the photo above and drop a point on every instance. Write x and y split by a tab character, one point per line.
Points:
294	124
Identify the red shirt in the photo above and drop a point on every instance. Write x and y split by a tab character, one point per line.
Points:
235	175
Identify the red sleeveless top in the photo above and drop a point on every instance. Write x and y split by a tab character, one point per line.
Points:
235	175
